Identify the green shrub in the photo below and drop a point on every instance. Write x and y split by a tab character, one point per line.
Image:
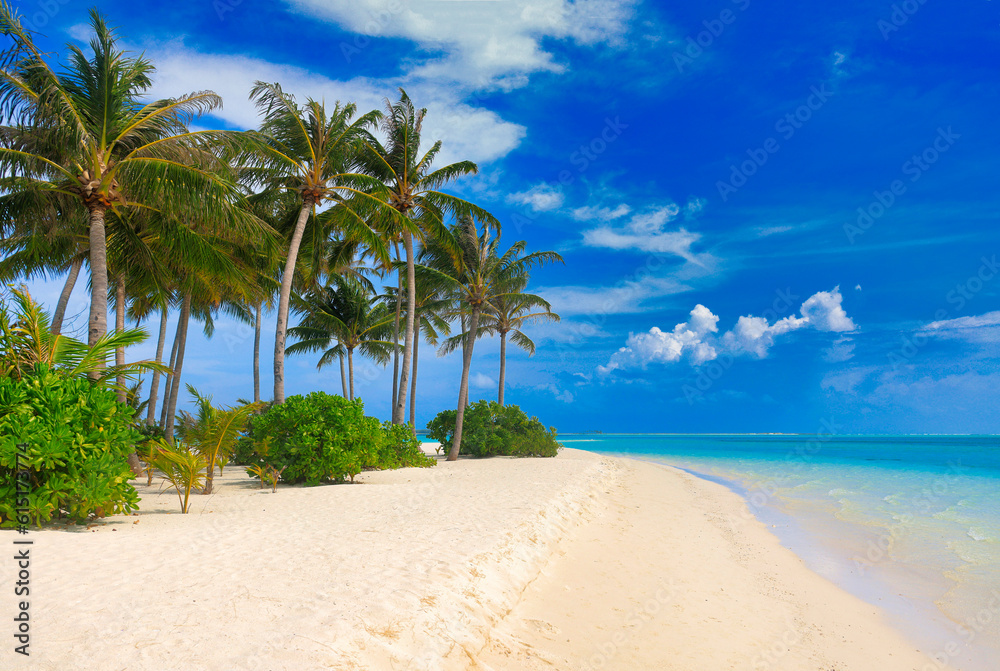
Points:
78	438
490	429
325	438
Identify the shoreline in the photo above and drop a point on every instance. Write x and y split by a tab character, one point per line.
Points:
470	564
854	558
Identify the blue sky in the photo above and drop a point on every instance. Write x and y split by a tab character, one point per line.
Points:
774	216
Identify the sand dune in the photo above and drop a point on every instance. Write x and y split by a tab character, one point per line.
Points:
570	563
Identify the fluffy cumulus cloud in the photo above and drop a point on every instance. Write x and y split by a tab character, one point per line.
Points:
478	44
541	198
697	340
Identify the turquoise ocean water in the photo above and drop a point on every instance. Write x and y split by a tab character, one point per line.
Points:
909	523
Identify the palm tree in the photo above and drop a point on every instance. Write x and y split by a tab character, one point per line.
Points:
343	312
475	278
85	133
42	234
410	188
26	340
213	432
509	312
430	318
302	150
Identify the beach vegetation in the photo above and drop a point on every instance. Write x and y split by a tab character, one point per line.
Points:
99	179
181	466
478	275
64	444
62	425
212	432
492	430
322	438
340	318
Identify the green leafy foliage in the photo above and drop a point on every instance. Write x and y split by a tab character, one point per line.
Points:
213	432
325	438
182	467
78	438
491	429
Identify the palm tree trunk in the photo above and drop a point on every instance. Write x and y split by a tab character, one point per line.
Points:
463	388
168	428
154	385
413	379
97	322
57	318
168	385
411	300
120	327
285	297
343	376
395	334
256	354
350	368
503	364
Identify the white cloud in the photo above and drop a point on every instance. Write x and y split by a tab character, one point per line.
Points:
824	312
696	341
541	197
841	350
563	395
594	213
480	381
694	208
629	297
645	231
847	381
467	132
980	328
481	44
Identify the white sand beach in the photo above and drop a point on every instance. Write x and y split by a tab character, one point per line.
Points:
577	562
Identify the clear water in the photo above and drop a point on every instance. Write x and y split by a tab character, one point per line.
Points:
909	523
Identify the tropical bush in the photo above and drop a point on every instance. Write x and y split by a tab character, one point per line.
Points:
325	438
77	438
490	429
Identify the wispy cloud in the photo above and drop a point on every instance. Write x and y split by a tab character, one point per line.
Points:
541	198
644	231
983	328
